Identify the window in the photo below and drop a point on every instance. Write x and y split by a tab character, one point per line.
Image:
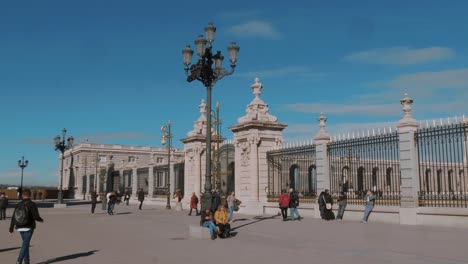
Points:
102	158
131	159
159	160
160	179
77	158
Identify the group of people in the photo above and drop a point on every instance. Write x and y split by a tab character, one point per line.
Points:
218	224
325	202
231	203
289	201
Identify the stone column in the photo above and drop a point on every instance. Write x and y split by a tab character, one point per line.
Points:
151	180
321	159
78	182
134	182
409	166
256	133
88	185
172	175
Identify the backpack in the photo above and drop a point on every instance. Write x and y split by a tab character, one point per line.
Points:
21	215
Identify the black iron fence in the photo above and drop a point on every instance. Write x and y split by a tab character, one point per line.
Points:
292	168
366	163
443	165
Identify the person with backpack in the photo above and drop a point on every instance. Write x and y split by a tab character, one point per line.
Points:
293	204
3	206
141	198
24	221
194	204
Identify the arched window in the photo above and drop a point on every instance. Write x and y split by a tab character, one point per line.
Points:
388	177
294	177
375	171
439	181
345	179
450	180
312	180
360	179
428	180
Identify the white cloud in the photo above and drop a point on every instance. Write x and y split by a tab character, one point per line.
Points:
401	55
255	28
441	80
345	109
288	71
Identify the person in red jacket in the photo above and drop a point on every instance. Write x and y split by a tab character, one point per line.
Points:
194	204
284	204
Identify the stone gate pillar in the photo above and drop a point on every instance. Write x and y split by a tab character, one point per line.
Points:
255	134
321	141
409	166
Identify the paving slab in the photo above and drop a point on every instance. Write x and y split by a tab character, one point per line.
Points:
156	235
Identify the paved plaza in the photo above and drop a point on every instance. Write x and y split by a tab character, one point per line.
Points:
155	235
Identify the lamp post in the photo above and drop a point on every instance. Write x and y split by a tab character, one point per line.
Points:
167	139
22	164
217	124
62	146
204	72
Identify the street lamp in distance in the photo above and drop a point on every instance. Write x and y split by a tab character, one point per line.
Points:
167	139
62	145
22	164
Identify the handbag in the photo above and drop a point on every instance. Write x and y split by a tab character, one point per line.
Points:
327	205
235	207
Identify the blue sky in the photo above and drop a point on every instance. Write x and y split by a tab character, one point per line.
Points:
111	71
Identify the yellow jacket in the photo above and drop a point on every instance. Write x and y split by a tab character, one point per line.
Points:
221	217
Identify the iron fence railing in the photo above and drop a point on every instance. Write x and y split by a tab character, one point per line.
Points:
366	163
292	168
443	165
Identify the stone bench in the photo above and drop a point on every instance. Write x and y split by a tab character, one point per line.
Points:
199	232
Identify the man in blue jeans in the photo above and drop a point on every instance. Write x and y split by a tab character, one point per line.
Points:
24	220
370	200
293	204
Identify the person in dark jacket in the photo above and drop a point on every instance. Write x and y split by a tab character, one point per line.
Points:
3	206
26	230
293	204
216	201
94	196
327	211
321	204
111	203
141	197
342	202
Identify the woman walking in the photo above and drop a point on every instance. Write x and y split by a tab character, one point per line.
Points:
232	204
284	204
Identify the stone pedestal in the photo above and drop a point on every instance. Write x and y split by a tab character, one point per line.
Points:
256	133
199	232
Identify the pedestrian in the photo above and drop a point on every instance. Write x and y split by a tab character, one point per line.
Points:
207	221
284	204
342	202
233	205
178	196
112	199
222	222
24	221
321	204
194	204
141	197
293	204
215	201
127	198
327	204
94	196
370	200
3	206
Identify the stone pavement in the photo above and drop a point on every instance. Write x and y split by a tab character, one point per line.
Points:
155	235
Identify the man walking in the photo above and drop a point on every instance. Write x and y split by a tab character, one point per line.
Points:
94	197
293	204
3	206
141	197
24	220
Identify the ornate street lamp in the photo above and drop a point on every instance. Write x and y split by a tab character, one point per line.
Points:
62	146
204	72
167	139
22	164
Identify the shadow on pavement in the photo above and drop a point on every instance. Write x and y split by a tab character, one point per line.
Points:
69	257
124	213
258	219
9	249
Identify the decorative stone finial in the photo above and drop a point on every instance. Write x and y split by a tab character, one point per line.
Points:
257	110
406	104
199	125
202	107
322	134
